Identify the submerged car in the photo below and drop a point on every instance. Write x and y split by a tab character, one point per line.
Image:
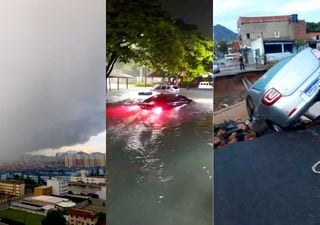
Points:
285	92
165	101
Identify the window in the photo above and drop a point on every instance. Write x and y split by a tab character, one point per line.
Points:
317	37
277	34
272	48
248	36
287	47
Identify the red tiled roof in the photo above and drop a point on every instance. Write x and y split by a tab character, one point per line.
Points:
263	19
81	213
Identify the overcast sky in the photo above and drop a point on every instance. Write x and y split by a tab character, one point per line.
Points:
227	12
194	12
52	65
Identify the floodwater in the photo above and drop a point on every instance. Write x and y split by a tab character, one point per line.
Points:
159	164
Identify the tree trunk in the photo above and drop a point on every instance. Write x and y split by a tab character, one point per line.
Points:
111	63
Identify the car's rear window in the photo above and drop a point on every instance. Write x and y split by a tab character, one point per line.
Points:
264	80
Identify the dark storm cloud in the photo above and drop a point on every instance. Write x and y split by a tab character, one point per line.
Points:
194	12
52	65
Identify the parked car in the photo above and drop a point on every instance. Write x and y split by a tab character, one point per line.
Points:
205	85
285	92
166	88
165	101
216	67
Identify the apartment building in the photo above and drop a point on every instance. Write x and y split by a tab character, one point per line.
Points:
15	188
97	159
84	160
78	216
59	187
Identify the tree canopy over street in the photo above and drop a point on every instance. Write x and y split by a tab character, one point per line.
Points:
143	32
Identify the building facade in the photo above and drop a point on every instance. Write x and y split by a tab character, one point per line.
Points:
273	37
77	216
14	188
59	187
84	160
43	190
88	179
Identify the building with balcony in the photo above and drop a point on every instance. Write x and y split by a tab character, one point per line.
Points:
13	188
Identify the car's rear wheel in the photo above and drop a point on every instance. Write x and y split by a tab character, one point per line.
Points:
275	127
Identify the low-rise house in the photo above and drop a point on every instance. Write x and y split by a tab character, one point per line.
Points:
78	216
270	37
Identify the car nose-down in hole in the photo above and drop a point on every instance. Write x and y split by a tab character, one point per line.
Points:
285	92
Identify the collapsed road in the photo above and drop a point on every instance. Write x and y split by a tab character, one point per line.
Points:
269	180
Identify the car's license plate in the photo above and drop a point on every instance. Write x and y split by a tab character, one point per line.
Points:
314	87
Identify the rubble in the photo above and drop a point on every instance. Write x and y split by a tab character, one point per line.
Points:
230	132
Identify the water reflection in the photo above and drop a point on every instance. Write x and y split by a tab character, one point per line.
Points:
159	165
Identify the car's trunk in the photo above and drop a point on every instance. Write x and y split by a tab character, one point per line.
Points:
294	73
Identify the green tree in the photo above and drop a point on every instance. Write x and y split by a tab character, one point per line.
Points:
222	47
54	218
131	30
144	33
198	56
313	27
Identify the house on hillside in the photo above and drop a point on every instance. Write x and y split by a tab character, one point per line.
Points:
270	38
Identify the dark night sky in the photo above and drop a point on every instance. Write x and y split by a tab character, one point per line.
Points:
194	12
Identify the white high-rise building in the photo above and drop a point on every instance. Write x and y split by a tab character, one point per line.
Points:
59	187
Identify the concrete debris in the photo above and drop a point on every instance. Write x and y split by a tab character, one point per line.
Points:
230	132
236	130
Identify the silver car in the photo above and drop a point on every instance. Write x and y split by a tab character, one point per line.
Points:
166	88
285	92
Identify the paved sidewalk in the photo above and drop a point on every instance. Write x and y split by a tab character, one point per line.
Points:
233	112
230	68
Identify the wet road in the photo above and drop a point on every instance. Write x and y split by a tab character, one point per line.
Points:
160	165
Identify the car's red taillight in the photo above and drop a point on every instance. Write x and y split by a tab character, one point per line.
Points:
271	97
157	110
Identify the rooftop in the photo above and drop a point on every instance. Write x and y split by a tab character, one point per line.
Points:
49	199
82	213
263	19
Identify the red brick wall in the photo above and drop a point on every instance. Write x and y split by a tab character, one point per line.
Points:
312	35
300	30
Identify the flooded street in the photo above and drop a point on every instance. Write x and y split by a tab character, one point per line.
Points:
159	164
